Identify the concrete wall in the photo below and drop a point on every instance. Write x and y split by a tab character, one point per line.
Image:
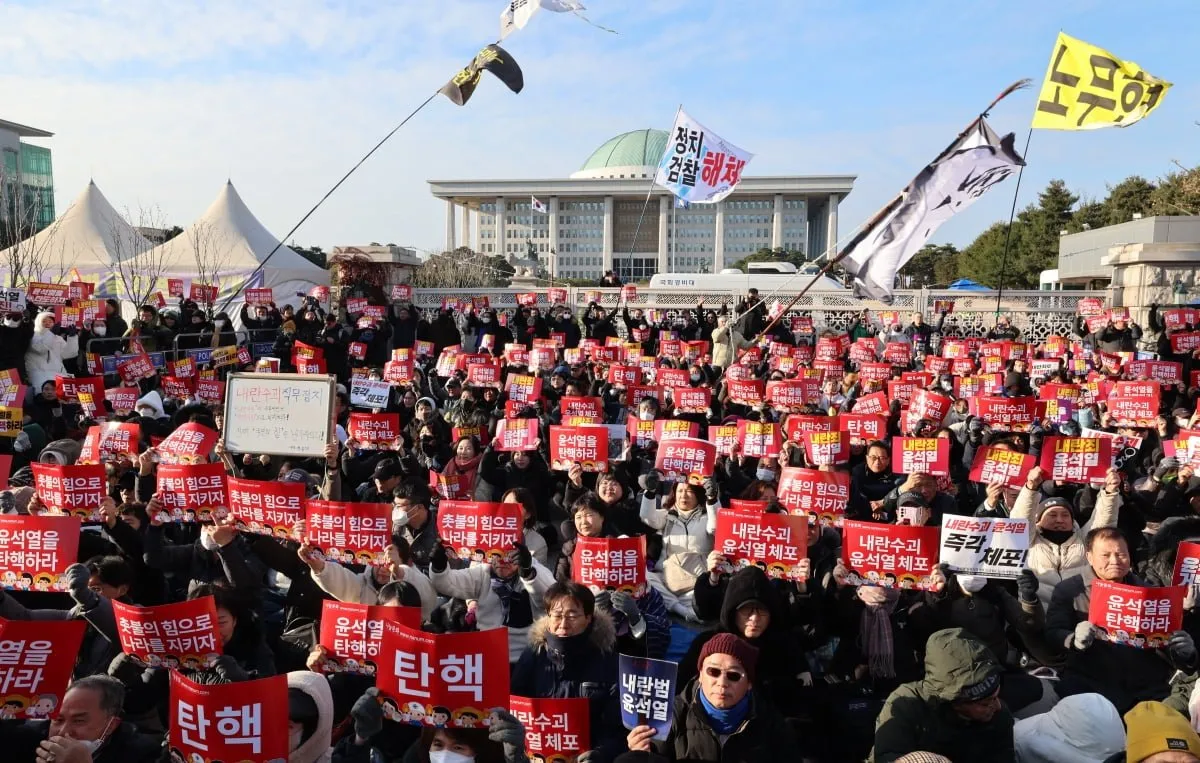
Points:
1081	255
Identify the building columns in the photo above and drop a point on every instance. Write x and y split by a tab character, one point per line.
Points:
777	223
450	206
664	212
501	229
719	239
608	234
554	236
466	225
831	228
475	235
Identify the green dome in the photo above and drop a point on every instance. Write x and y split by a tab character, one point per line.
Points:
640	148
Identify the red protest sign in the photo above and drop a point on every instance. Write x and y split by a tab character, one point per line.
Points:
1134	615
583	445
820	495
921	455
612	564
747	392
67	388
479	530
759	439
36	551
1008	414
555	729
774	542
374	431
210	391
791	395
1185	342
203	293
724	438
1161	371
173	386
351	634
77	490
191	443
862	428
1077	459
692	400
449	680
110	441
452	486
571	407
183	634
262	296
192	492
266	507
1187	564
33	675
929	406
1134	403
796	425
401	292
993	464
516	435
827	448
122	399
522	388
485	375
897	353
175	287
874	404
349	532
667	429
247	720
47	294
892	556
136	368
687	459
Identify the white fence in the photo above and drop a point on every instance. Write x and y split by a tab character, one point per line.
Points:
1038	314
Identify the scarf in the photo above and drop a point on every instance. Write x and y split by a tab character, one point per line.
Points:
725	722
514	602
875	629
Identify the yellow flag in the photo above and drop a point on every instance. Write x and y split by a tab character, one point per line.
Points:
1087	88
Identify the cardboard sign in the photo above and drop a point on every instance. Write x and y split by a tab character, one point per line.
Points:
192	492
246	720
191	443
367	393
36	551
76	490
480	530
352	533
892	556
449	680
1135	616
647	689
927	405
1008	414
266	507
583	445
685	459
994	464
183	634
555	729
1076	459
351	634
610	564
827	448
993	548
821	495
921	455
571	407
759	439
1161	371
1134	404
33	674
774	542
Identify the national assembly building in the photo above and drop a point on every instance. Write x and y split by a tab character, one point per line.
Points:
588	223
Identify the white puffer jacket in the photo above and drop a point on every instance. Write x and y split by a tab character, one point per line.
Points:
46	353
1083	728
687	538
1052	562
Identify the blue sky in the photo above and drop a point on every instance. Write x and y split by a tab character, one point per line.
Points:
161	102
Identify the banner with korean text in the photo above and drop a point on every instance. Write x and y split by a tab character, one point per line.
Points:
995	464
892	556
1135	615
36	666
993	548
352	533
555	729
480	530
181	635
36	551
583	445
774	542
821	495
610	564
266	507
74	490
685	459
192	492
242	721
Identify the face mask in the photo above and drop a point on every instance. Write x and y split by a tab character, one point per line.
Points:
1181	423
11	323
971	583
486	319
92	745
99	330
295	738
696	378
448	756
646	415
146	412
206	540
219	323
947	386
764	475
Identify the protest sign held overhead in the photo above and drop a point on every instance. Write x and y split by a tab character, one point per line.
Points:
993	548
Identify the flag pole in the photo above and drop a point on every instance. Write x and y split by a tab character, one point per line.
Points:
886	210
1012	213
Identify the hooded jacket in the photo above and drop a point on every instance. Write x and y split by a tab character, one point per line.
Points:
14	343
475	583
64	452
918	715
316	748
46	353
1079	729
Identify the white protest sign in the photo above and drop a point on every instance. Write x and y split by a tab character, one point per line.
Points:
993	548
367	393
278	414
12	300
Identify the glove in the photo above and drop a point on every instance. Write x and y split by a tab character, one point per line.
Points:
367	714
1164	466
710	490
524	561
439	560
1085	634
1027	586
623	601
127	669
604	602
227	668
509	732
1182	648
76	580
649	483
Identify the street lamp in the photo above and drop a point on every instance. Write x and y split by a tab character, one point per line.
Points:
1180	291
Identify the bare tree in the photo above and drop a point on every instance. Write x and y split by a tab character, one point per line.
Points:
138	267
25	255
210	255
462	269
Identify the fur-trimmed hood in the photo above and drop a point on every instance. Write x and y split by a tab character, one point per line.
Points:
1159	564
603	633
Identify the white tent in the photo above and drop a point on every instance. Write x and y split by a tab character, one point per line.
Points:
89	237
227	246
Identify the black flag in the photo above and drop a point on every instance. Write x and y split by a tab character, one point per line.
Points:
493	58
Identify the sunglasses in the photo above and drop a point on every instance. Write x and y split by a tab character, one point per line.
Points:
732	676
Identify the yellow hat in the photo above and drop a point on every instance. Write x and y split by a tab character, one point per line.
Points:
1153	727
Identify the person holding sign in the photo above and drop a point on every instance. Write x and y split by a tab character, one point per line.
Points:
687	533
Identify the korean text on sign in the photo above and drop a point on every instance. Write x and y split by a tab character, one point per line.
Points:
994	548
647	689
1135	615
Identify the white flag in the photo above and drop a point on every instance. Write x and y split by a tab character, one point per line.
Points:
537	205
517	13
699	165
978	161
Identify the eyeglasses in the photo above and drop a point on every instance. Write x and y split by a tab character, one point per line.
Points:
565	616
732	676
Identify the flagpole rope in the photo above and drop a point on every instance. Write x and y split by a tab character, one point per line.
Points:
1012	213
329	193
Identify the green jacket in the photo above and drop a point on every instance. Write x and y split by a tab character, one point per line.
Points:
918	716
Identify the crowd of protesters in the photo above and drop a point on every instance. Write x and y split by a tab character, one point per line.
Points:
965	668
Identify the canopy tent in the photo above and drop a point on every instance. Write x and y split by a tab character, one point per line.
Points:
88	237
966	284
227	247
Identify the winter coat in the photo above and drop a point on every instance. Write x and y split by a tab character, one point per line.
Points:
46	353
316	748
476	583
687	539
764	737
725	345
985	614
124	745
360	588
14	343
582	666
1052	562
1158	568
1079	729
918	716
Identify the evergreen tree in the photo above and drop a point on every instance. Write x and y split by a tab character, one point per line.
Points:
1131	196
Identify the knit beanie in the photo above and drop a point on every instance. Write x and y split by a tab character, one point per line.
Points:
1153	728
1051	503
738	649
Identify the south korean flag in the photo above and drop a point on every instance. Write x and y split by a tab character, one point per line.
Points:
538	206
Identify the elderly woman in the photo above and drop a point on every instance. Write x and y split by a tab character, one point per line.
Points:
718	716
686	519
